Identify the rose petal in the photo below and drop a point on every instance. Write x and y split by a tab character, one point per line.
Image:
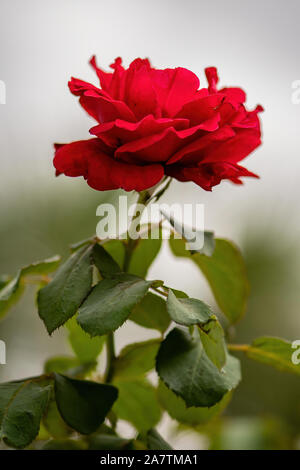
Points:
236	148
201	109
183	88
98	103
197	150
160	147
87	158
212	78
208	175
119	132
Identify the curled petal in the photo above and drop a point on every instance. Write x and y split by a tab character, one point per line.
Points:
201	109
160	147
199	148
119	132
183	88
88	158
212	78
208	175
104	77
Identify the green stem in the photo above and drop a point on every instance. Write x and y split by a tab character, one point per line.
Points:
111	356
144	198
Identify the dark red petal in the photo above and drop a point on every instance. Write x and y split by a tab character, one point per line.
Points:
212	78
197	150
201	109
72	159
139	93
106	109
160	147
211	174
107	173
104	77
234	95
182	89
120	132
87	158
237	148
98	103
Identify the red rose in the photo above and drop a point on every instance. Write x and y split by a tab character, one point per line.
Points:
153	123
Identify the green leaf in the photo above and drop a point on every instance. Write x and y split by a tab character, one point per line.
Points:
193	237
193	416
60	364
186	311
156	442
226	274
46	266
108	442
70	366
212	337
81	243
4	280
136	360
137	403
83	404
10	294
105	263
274	352
22	405
110	303
53	422
60	299
87	349
64	444
184	367
116	249
143	256
151	313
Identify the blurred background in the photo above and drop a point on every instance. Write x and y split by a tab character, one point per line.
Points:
254	44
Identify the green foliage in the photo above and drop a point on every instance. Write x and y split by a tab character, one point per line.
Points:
197	375
110	303
83	404
103	441
226	274
192	416
143	256
156	442
22	405
185	368
135	360
60	299
151	313
137	403
53	421
61	364
212	338
188	311
275	352
87	349
105	263
116	248
192	236
64	444
12	289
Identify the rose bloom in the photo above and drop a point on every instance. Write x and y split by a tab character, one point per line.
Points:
152	123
